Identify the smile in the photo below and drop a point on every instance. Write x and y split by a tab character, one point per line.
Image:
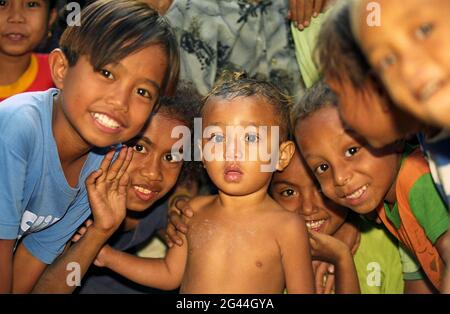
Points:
358	193
105	121
430	89
315	224
144	193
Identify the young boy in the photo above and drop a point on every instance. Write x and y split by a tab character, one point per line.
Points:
153	172
376	259
398	187
241	240
108	86
23	25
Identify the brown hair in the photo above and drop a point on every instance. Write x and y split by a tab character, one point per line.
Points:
110	30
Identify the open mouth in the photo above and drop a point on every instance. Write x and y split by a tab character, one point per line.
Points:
315	225
15	36
358	193
144	193
105	122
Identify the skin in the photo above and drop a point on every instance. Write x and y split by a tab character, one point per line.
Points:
126	91
343	164
245	222
154	168
409	52
363	108
23	25
301	11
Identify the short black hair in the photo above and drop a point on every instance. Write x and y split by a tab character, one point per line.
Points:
315	98
110	30
237	84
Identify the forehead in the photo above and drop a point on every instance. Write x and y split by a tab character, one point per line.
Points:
295	173
160	129
239	110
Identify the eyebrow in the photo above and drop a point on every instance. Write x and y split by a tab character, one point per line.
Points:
149	81
146	140
284	182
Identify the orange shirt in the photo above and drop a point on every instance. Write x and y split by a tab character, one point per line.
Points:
36	78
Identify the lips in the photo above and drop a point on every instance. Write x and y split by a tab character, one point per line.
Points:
145	192
357	196
15	37
430	88
233	173
107	123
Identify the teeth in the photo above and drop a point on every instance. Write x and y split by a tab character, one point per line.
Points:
314	224
141	189
429	90
106	121
357	193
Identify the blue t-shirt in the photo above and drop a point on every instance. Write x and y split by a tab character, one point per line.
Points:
37	204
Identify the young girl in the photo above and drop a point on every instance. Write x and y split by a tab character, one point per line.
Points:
23	25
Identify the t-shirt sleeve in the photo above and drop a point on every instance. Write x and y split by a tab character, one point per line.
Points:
49	243
410	267
428	207
14	152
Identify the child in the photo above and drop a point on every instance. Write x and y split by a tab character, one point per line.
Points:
410	57
23	25
398	187
377	258
108	87
153	172
235	243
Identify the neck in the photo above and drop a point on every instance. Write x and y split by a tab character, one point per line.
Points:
249	201
71	146
12	67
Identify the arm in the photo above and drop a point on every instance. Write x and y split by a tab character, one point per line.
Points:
296	256
6	256
107	196
332	250
443	247
165	274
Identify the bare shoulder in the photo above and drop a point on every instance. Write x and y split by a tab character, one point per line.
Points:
287	222
200	202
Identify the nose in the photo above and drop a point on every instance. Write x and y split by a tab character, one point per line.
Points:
15	12
342	174
118	97
309	204
151	169
234	149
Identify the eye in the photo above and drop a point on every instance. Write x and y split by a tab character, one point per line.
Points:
351	151
424	30
321	168
2	3
252	138
144	93
139	148
107	74
172	158
386	62
288	193
218	138
33	4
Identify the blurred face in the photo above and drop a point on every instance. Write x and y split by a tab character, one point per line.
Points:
233	142
153	170
295	189
348	172
410	52
111	105
23	24
362	109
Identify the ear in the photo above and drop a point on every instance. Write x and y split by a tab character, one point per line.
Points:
287	150
58	67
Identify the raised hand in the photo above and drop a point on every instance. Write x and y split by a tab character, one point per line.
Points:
301	11
107	191
178	215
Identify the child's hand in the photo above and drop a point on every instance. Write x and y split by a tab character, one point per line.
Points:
179	214
327	248
107	191
81	231
324	277
301	11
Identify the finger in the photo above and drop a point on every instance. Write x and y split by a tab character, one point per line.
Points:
184	208
309	4
171	232
300	13
88	222
105	163
92	179
126	163
123	184
176	220
317	9
318	282
329	284
76	237
293	12
116	165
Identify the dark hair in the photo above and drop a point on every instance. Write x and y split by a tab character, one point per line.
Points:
51	4
237	84
339	55
110	30
317	97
